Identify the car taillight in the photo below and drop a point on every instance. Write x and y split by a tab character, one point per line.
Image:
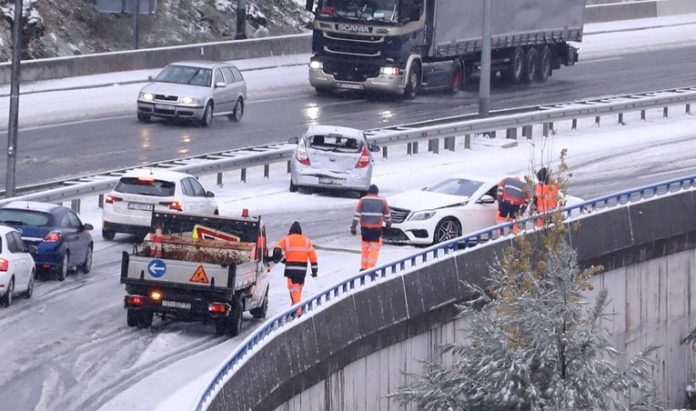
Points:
302	155
173	205
4	265
364	160
53	236
110	199
218	307
134	300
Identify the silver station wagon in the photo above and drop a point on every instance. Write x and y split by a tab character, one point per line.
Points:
195	90
331	158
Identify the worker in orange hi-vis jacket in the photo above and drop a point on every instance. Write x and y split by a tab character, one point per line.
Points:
546	194
299	253
372	212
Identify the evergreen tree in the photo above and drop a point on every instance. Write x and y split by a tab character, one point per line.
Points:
535	341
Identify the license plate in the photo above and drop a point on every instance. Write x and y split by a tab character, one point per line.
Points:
350	86
331	181
140	206
176	304
164	107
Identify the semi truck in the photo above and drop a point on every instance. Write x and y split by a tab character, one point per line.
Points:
403	46
198	268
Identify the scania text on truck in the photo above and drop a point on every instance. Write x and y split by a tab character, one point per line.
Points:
198	268
401	46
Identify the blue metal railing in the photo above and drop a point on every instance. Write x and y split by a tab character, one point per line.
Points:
318	301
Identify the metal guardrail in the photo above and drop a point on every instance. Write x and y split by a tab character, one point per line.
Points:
366	278
432	131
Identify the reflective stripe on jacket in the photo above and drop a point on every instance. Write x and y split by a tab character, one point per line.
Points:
372	211
513	191
298	250
546	197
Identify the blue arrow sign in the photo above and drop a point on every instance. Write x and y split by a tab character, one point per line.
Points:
157	268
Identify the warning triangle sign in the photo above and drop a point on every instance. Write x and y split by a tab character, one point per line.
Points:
199	276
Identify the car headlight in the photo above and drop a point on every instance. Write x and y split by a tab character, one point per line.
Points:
146	96
318	65
390	71
422	215
190	101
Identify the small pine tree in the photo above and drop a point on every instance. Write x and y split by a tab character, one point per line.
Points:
535	342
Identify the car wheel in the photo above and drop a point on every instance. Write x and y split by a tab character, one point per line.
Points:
293	187
207	115
144	118
87	265
238	111
62	271
108	235
234	321
30	288
447	229
260	312
9	297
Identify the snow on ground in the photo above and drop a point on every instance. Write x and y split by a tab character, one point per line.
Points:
178	384
114	94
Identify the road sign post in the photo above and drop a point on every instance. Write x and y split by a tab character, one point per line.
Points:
10	180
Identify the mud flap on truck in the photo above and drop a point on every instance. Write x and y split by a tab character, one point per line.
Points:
571	55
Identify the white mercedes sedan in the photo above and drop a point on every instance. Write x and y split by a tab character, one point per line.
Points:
450	208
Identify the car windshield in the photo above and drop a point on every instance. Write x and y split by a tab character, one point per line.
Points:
335	143
384	10
145	186
17	217
195	76
456	187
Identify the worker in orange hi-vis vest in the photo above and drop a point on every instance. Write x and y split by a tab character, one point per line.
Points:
512	196
546	194
372	212
298	251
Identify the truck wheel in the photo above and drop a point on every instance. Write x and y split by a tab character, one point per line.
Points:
145	319
531	65
260	312
544	71
411	90
456	77
234	321
108	235
515	70
132	318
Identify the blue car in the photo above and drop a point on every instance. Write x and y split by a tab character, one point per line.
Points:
63	243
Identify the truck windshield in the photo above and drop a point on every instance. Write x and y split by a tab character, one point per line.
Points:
368	10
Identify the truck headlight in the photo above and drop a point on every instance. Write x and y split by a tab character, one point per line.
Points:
317	65
146	96
390	71
190	101
422	215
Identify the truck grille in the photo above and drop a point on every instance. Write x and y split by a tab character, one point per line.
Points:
399	215
347	44
351	72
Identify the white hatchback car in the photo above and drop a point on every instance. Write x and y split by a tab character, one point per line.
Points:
330	157
128	207
16	266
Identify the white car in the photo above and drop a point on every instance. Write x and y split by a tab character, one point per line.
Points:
16	266
442	212
128	207
331	157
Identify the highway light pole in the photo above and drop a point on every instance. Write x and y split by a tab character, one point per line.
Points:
241	20
485	79
136	24
10	181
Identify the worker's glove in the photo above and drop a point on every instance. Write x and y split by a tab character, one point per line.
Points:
353	230
315	271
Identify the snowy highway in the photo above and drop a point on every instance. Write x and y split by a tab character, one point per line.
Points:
68	347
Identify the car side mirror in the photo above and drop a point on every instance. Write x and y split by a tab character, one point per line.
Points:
209	194
294	140
87	227
220	84
486	199
374	148
31	249
149	78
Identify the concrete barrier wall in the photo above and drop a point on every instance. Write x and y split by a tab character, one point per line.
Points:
350	355
46	69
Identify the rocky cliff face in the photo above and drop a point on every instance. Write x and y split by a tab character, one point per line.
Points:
54	28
